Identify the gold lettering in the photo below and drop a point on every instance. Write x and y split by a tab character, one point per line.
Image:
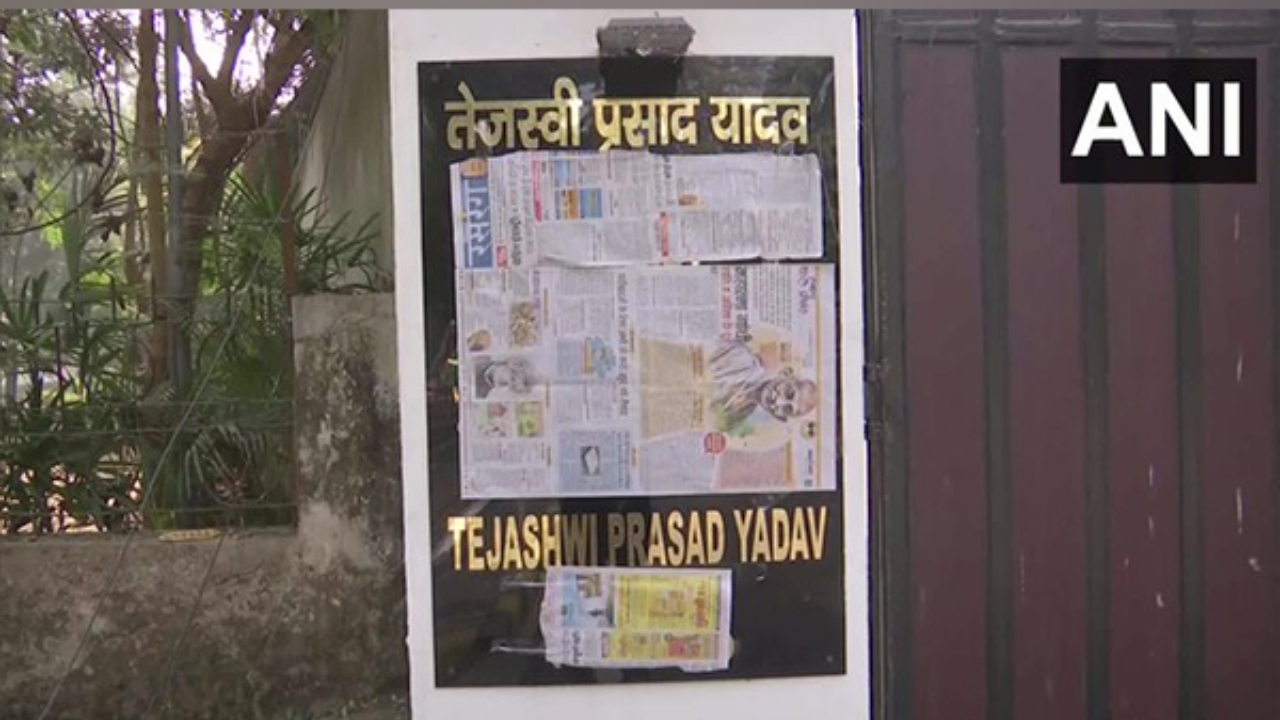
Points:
475	541
795	121
780	529
817	531
498	123
695	553
799	537
642	127
568	106
608	116
644	122
551	551
460	124
715	537
532	549
499	127
617	536
746	120
760	538
576	540
727	122
765	122
742	519
457	526
631	122
511	557
493	555
684	127
657	543
557	121
635	539
675	523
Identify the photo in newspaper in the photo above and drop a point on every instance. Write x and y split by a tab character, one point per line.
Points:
647	381
638	618
585	209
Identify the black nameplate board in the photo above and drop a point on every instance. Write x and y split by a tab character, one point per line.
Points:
788	617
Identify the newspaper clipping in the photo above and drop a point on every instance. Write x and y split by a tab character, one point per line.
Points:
647	380
584	209
638	618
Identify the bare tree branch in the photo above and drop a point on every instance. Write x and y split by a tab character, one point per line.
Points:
288	49
218	95
240	28
110	34
204	123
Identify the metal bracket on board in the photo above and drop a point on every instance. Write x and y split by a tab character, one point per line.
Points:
667	37
643	57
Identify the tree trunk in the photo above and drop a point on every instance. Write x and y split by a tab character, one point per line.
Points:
238	117
132	256
148	149
202	192
288	233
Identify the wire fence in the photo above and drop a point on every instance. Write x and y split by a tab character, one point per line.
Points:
85	429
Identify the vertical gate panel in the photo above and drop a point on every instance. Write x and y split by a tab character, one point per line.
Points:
1143	453
1239	473
1083	495
944	360
1046	397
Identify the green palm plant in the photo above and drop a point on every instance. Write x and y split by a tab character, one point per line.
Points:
82	439
68	440
66	430
239	451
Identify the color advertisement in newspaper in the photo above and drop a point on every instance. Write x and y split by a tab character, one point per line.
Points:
584	209
638	618
647	380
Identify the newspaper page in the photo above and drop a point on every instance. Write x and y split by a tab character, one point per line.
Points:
735	379
589	209
647	381
638	618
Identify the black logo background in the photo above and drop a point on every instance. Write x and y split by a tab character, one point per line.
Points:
1107	161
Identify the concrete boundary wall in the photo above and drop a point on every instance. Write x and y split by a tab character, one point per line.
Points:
295	623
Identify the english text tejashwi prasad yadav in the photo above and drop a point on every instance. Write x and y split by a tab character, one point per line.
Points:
671	539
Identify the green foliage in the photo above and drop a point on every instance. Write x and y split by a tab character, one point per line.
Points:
333	256
55	112
79	437
239	451
68	417
86	429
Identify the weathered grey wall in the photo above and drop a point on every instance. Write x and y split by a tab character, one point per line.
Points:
293	623
347	153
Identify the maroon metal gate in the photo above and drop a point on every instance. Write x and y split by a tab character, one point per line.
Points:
1072	391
